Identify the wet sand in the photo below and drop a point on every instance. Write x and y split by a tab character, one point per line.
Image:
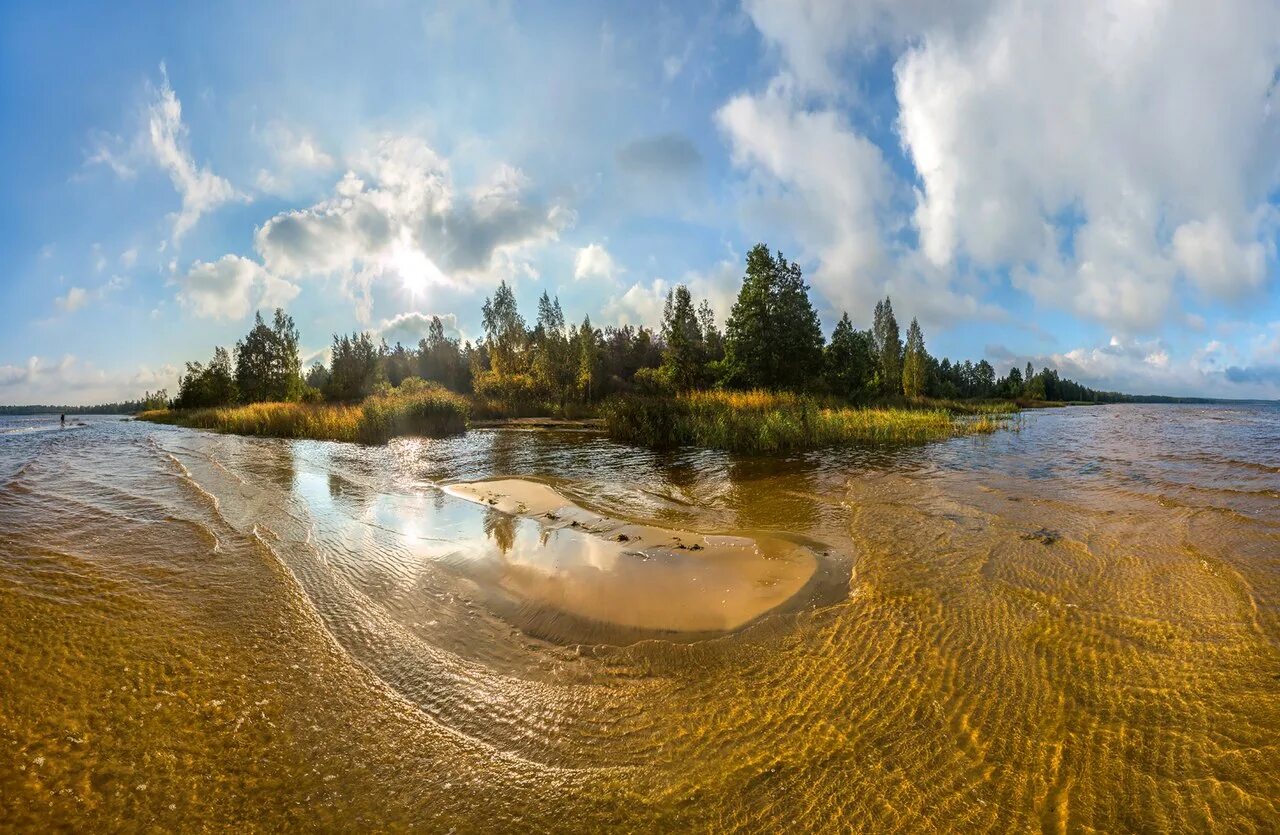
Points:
638	576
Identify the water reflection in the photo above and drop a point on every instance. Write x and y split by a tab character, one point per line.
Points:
267	634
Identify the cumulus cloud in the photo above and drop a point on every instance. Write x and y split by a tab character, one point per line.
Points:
812	174
1082	142
1105	154
409	328
129	257
594	261
231	288
643	301
639	304
1147	366
398	212
814	37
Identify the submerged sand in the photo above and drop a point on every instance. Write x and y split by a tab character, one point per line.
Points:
638	576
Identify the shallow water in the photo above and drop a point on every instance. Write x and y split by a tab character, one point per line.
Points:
1072	626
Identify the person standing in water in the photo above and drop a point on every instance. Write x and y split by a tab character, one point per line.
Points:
62	421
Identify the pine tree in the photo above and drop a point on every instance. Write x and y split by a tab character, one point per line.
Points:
683	356
915	363
588	360
773	338
797	339
712	338
749	358
888	347
848	360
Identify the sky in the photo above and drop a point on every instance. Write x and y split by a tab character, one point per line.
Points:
1091	186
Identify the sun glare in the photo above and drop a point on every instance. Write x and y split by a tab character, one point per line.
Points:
415	269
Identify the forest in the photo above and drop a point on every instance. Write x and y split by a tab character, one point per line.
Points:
773	340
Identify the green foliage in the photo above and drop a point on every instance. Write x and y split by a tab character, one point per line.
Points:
505	332
426	409
356	367
267	364
712	338
685	355
888	348
749	357
152	400
554	361
398	363
849	361
440	358
208	385
588	351
417	409
507	388
773	338
915	363
770	422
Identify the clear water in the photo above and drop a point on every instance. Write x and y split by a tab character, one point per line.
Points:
1068	627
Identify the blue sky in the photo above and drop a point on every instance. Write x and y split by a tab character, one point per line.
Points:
1087	185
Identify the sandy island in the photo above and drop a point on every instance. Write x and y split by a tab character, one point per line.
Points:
637	576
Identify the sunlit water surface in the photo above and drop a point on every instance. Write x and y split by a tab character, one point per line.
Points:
1072	626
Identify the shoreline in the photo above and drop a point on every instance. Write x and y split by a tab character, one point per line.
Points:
637	578
753	422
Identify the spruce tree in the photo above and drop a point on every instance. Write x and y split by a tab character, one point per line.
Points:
888	347
797	338
749	357
915	363
773	338
683	357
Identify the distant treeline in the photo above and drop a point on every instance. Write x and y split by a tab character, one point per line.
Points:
773	340
127	407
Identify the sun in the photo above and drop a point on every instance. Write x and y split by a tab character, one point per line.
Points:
417	272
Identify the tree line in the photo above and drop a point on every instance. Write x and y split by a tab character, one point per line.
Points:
773	339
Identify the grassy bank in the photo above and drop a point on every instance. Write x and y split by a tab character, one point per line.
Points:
433	412
763	422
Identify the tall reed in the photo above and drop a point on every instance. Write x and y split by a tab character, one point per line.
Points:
430	411
766	422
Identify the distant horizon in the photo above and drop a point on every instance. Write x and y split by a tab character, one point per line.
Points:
371	168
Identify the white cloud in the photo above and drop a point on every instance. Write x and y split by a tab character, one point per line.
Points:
398	213
1072	138
1211	256
409	328
640	304
594	261
71	381
812	36
812	174
297	155
1104	152
129	257
1149	366
231	288
166	143
76	298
